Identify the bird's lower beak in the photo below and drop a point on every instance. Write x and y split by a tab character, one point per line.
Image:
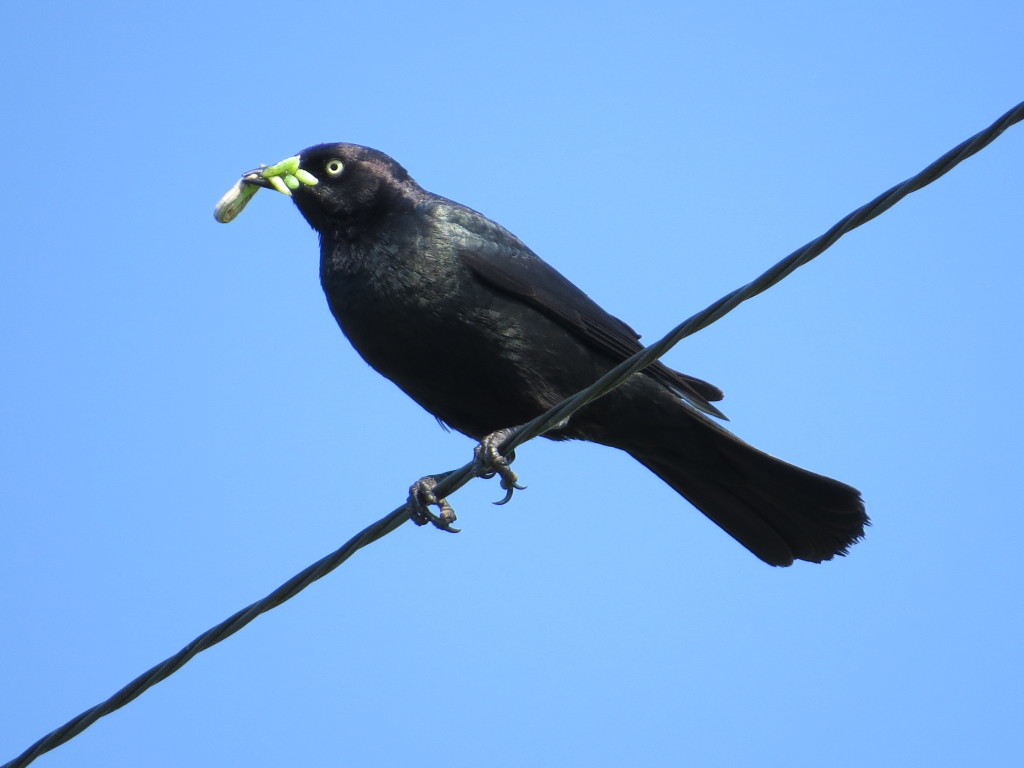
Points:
256	177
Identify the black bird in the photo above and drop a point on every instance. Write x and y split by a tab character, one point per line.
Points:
485	335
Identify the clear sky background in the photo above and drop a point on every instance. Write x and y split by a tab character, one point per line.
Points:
183	427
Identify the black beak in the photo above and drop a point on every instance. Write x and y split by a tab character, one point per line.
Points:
256	177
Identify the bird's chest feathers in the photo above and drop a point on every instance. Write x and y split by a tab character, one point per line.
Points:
385	275
394	297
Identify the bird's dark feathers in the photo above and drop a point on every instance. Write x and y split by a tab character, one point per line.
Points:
501	260
485	335
536	283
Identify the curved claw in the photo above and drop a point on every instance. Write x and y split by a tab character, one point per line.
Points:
509	490
441	522
490	463
422	497
441	525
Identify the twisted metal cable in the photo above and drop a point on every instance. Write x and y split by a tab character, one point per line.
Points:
455	479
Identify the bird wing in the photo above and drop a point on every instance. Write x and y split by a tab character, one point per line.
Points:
500	259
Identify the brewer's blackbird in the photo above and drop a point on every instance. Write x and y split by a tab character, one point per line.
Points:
481	332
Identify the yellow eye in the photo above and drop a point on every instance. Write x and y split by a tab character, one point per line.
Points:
334	167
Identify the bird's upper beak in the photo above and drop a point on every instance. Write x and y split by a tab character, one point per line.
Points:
284	177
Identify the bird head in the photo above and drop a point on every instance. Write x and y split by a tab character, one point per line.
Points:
331	184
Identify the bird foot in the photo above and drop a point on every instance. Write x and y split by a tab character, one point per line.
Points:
422	498
490	463
487	462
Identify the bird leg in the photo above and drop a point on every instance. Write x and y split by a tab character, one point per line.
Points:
489	462
422	498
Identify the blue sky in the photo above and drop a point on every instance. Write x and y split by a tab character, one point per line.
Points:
182	426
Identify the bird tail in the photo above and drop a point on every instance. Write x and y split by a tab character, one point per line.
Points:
778	511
